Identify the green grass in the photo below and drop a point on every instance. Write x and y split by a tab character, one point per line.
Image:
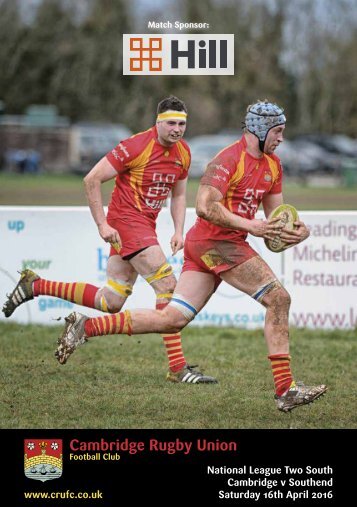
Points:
312	198
67	190
45	189
119	382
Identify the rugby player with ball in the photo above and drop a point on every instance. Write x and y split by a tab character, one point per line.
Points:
239	179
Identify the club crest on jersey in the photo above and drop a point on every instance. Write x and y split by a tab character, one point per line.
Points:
43	459
267	177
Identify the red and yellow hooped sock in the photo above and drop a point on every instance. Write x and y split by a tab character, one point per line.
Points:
283	378
117	323
172	342
76	292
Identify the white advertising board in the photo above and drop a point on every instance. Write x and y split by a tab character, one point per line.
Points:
62	244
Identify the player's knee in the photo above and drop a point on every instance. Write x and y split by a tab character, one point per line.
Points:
165	286
284	298
181	312
173	321
279	298
170	283
110	302
115	307
113	295
272	294
114	303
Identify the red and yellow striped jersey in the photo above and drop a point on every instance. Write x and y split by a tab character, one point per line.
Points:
147	171
243	181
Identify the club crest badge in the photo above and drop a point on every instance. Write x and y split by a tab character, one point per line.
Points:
267	176
43	459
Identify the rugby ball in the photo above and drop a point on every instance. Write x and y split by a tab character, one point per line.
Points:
288	215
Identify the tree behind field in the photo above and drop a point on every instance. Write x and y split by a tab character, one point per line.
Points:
300	54
320	52
53	60
12	33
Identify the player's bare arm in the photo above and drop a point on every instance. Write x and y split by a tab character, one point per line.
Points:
209	207
178	213
270	202
101	172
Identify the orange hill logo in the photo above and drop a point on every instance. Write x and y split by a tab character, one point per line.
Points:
145	54
43	459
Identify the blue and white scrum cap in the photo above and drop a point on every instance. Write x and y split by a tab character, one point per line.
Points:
261	117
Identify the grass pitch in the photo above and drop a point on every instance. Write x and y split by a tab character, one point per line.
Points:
68	190
119	382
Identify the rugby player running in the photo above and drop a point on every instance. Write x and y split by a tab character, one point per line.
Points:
146	167
236	181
